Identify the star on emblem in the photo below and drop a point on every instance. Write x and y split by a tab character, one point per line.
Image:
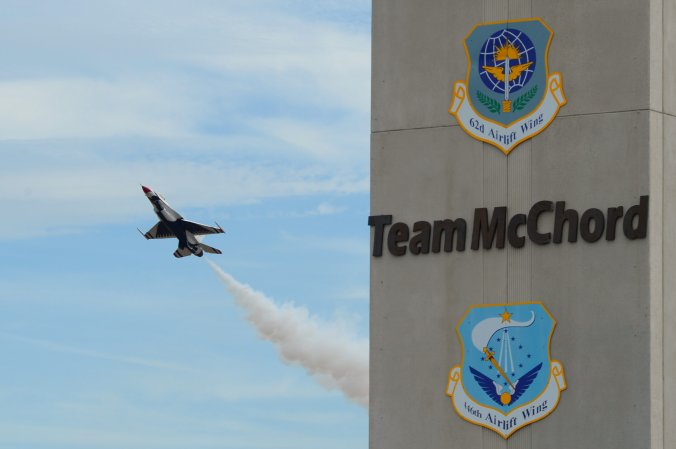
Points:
506	316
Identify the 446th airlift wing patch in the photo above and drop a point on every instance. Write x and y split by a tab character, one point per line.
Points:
509	95
507	379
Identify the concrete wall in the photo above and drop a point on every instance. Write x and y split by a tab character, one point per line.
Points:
664	105
615	302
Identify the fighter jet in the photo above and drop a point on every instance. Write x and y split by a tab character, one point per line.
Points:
172	225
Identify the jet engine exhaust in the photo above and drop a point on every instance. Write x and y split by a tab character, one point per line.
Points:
334	358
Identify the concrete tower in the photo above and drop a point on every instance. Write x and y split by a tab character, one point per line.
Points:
614	300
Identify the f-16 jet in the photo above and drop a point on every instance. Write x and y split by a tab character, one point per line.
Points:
172	225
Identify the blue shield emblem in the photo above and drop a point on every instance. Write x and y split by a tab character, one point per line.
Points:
509	94
507	378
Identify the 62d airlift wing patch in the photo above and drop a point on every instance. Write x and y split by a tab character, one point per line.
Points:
509	95
507	379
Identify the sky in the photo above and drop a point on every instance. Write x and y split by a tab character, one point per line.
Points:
252	114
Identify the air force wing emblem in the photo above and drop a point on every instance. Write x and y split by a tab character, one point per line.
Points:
509	95
507	379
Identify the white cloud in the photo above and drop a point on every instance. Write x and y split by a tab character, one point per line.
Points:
84	108
211	103
47	198
345	245
328	209
164	70
67	349
239	102
328	64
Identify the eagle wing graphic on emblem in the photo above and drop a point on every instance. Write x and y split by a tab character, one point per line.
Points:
497	72
486	384
515	71
492	389
524	382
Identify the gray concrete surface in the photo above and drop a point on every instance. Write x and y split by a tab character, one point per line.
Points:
615	302
418	54
669	254
668	18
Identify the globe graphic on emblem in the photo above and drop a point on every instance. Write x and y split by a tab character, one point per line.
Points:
507	61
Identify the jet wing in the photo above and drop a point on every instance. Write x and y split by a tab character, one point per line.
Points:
159	231
200	229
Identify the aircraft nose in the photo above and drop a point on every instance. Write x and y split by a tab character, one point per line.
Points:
146	189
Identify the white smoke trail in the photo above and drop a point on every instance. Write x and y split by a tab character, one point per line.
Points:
334	358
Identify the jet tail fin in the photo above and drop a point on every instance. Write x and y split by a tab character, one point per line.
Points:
182	251
209	249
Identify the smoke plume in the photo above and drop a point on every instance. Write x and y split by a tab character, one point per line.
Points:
327	352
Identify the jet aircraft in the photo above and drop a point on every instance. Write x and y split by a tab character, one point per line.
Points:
172	225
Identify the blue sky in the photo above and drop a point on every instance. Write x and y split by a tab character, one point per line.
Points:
254	114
